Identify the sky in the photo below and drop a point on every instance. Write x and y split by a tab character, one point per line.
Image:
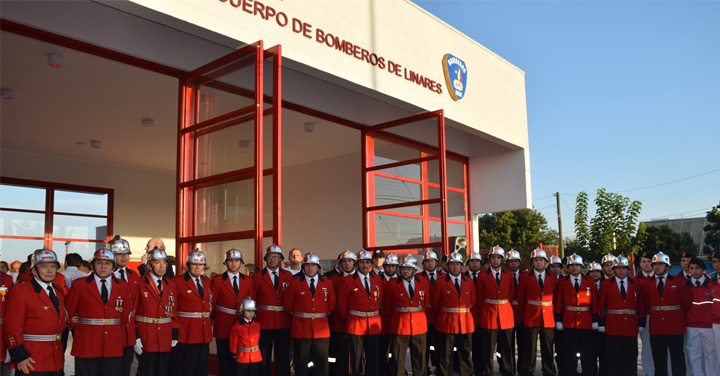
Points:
621	95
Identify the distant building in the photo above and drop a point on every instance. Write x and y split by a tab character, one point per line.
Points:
693	226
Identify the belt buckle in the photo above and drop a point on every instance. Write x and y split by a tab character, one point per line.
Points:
105	322
626	311
313	315
368	314
155	320
411	309
276	308
662	308
58	337
206	314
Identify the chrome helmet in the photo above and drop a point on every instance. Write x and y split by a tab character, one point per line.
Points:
119	246
247	304
44	255
156	254
661	257
455	257
594	267
538	253
348	254
430	255
473	256
497	250
391	259
274	249
311	258
233	254
196	257
621	261
409	262
104	254
513	255
607	258
555	260
365	255
575	260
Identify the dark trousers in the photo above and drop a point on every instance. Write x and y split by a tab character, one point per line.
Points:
624	354
384	351
398	348
340	351
98	366
431	354
501	339
193	358
559	343
226	364
530	353
247	369
364	346
478	351
581	341
174	362
313	350
153	363
600	343
57	373
127	359
660	345
463	343
280	340
518	340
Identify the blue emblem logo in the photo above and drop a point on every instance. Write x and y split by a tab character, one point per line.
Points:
455	76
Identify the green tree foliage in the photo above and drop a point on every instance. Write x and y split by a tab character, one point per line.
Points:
712	231
614	227
665	239
515	228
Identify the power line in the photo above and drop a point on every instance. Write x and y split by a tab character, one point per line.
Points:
670	182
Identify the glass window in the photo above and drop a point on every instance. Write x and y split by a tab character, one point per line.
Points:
84	249
18	249
231	207
392	230
393	191
390	152
215	252
79	227
455	204
81	202
22	224
26	198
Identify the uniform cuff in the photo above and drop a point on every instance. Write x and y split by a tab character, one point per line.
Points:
595	317
175	334
641	322
18	354
558	317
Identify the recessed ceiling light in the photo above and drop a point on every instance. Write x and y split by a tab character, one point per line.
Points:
309	127
55	60
147	122
8	94
95	144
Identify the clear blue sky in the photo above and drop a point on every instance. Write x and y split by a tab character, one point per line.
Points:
621	95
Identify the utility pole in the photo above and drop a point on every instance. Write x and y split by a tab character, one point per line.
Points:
562	247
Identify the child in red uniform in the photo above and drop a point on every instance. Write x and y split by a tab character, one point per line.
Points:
244	337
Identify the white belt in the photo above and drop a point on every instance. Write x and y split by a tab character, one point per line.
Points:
500	301
363	314
41	337
193	315
227	310
537	303
576	308
456	310
665	308
153	320
100	322
248	349
407	309
621	312
274	308
704	302
310	315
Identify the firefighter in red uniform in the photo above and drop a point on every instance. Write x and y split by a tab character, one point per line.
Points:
576	315
608	272
99	306
244	339
194	305
309	300
513	265
622	311
390	272
645	274
228	290
715	314
535	294
406	300
34	324
339	350
270	286
6	283
155	320
495	290
121	248
431	273
358	303
454	296
667	299
474	265
594	271
700	346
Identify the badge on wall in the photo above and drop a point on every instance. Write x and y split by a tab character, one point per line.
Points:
455	76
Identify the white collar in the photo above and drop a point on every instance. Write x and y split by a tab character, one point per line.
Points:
539	274
42	284
231	275
702	280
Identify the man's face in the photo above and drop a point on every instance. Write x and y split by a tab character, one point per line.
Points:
15	267
474	265
295	256
607	268
364	266
159	267
495	261
390	269
575	269
513	265
685	263
696	271
4	268
716	264
310	270
539	264
430	265
84	269
659	268
273	261
554	269
347	265
45	271
621	271
407	273
122	260
196	270
233	265
103	268
454	268
646	265
595	274
378	261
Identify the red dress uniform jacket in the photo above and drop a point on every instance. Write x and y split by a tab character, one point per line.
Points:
616	311
193	310
667	312
475	309
536	303
100	328
430	311
303	305
156	337
244	338
715	291
495	307
353	301
576	309
226	302
32	313
700	313
133	279
407	315
59	280
271	314
518	311
337	322
6	283
385	313
454	314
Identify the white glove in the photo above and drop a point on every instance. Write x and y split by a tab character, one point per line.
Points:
594	326
559	325
138	346
174	342
640	329
601	329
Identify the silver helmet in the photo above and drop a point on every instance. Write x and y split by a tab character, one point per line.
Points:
621	261
455	257
119	246
661	257
44	255
539	253
473	256
365	255
575	260
513	255
391	259
233	254
104	254
497	250
607	258
430	255
274	250
311	258
409	262
247	304
156	254
196	257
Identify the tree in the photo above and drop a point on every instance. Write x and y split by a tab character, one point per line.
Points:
614	227
712	231
516	228
670	242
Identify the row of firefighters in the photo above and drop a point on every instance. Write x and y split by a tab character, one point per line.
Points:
355	321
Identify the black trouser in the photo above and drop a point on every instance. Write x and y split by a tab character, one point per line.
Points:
600	341
500	338
153	363
660	345
398	348
384	350
313	350
280	339
340	351
477	350
193	358
97	366
559	343
248	369
57	373
530	353
582	340
463	343
519	341
431	355
226	364
127	359
624	354
174	362
364	346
